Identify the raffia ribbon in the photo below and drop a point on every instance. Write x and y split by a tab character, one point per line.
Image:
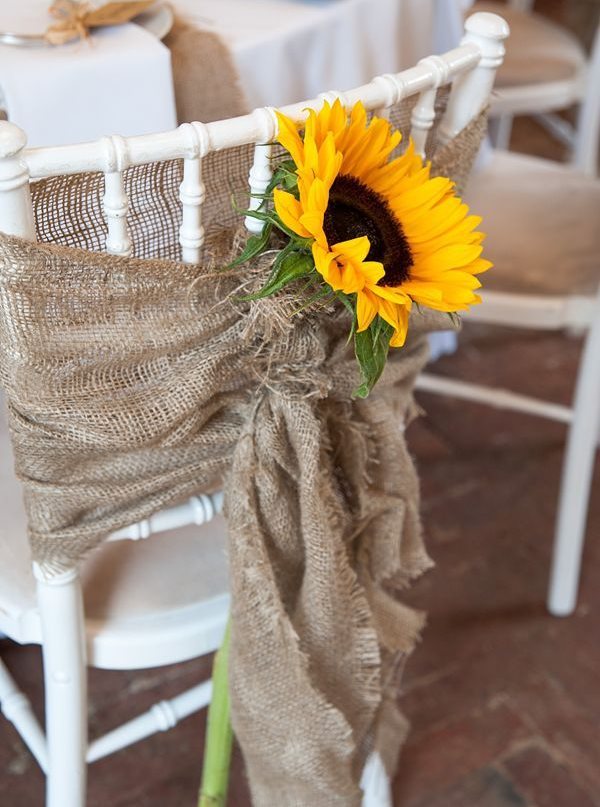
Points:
76	19
134	383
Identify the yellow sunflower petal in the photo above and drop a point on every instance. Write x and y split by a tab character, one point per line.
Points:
372	271
479	266
327	266
395	294
422	292
399	337
424	195
289	138
366	309
289	211
452	257
356	249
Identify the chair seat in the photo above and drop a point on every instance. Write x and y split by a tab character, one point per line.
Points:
157	601
538	51
542	223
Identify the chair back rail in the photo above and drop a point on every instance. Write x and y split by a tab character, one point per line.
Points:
470	67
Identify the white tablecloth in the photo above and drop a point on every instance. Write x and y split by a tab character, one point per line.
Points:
291	50
118	83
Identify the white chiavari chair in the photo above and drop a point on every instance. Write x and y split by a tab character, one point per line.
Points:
547	70
123	627
542	224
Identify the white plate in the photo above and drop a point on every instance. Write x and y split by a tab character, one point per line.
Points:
158	20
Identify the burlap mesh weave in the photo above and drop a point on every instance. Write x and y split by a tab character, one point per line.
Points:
133	383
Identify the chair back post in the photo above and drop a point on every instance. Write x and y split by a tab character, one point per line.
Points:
585	156
16	213
471	90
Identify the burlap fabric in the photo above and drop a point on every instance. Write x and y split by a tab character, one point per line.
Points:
133	383
205	80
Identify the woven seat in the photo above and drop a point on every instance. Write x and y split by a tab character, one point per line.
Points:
541	219
539	51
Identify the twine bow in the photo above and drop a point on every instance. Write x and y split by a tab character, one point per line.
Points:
75	18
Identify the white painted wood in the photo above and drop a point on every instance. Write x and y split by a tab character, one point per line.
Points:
16	707
192	193
258	127
197	510
172	637
585	153
160	717
558	127
260	176
65	686
576	479
375	783
115	200
423	114
533	311
16	214
422	118
530	98
500	130
115	205
471	90
493	396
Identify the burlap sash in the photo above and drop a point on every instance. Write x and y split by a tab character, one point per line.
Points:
134	383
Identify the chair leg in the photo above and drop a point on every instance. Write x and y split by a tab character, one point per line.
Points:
375	783
576	479
63	647
500	131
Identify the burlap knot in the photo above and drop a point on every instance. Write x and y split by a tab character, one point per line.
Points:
133	384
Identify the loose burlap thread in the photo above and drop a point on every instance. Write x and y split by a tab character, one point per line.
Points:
133	383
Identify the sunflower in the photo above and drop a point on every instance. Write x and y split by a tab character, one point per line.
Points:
379	226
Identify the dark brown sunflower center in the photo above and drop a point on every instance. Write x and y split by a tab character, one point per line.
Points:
355	210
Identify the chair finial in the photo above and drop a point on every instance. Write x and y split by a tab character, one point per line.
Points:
487	25
12	139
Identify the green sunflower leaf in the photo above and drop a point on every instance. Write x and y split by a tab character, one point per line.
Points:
288	266
284	176
254	246
371	348
347	303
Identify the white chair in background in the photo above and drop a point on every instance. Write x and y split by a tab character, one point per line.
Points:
547	70
543	236
126	625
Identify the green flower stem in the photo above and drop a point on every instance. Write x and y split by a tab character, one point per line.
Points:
219	734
